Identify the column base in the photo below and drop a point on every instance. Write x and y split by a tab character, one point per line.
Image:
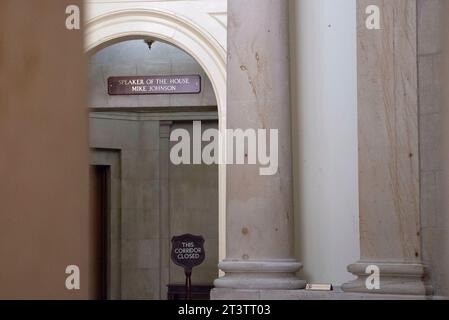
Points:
304	295
395	279
259	275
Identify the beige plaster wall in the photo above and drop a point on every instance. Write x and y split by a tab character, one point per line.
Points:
44	157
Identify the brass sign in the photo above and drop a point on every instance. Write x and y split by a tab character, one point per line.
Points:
143	85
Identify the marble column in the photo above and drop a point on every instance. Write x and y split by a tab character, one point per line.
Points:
259	238
389	182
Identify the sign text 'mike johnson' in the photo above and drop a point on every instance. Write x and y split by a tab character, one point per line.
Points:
136	85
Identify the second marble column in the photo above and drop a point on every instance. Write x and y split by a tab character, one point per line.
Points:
259	208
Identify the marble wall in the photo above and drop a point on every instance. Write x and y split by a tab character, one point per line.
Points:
152	200
193	202
137	214
433	224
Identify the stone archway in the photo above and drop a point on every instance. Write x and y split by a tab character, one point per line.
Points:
114	26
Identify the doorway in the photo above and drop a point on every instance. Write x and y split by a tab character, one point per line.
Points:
151	199
99	208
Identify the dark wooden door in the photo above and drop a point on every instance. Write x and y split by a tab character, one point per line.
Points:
99	208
